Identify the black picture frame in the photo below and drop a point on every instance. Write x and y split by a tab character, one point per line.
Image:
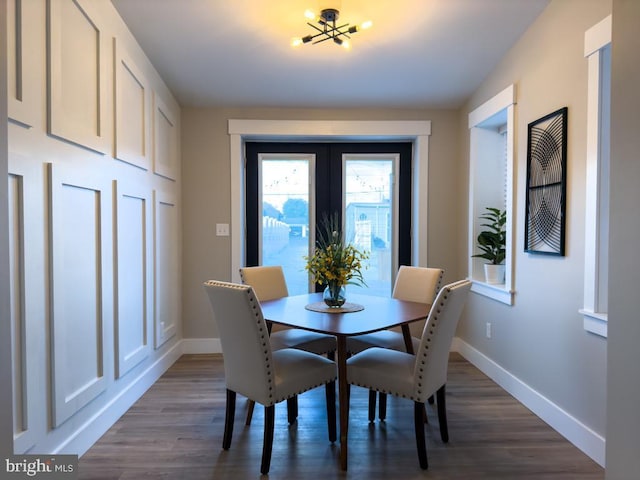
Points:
546	184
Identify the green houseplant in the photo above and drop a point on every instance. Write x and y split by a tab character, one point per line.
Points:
492	242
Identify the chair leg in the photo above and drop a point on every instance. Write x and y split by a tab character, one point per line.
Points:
330	393
418	413
267	445
372	405
250	405
442	414
292	409
228	419
382	408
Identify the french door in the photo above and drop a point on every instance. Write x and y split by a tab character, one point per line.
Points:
290	186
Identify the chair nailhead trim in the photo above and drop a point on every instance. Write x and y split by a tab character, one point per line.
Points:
433	325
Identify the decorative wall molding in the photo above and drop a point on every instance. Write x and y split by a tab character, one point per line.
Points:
166	145
79	219
21	390
76	86
82	226
27	222
133	306
132	107
167	280
20	99
103	419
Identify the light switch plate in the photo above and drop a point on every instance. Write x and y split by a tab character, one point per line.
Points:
222	229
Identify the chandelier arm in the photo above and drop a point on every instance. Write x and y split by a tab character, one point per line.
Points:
334	31
343	34
321	34
327	37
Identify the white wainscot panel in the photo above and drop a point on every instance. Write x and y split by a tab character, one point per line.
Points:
27	298
132	312
131	95
17	303
165	133
79	225
167	270
20	101
76	76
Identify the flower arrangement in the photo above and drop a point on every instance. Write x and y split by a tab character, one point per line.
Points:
335	263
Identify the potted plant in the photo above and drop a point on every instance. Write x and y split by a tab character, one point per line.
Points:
492	243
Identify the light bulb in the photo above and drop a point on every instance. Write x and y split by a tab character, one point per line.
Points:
367	24
309	14
296	42
346	45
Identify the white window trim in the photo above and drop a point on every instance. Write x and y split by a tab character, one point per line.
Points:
595	39
506	99
417	132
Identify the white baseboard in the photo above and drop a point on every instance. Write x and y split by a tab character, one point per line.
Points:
89	432
579	434
201	345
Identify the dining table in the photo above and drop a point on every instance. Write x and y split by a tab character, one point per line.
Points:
361	314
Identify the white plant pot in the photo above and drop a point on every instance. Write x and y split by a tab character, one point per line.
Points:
494	274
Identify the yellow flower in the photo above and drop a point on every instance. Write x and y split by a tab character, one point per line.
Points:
334	262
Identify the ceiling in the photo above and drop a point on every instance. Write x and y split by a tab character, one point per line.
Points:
237	53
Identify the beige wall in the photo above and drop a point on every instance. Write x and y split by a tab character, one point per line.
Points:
541	339
623	420
207	199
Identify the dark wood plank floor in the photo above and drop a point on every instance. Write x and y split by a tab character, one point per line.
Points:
175	432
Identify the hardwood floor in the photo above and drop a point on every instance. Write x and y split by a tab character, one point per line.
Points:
175	432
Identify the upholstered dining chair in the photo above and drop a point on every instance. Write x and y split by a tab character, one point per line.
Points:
418	376
413	284
252	369
268	283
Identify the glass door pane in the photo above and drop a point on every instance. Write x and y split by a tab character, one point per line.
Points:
370	216
285	199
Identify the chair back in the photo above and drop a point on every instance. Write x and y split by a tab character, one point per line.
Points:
417	284
432	358
244	338
268	282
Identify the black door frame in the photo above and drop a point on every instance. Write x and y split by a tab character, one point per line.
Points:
328	173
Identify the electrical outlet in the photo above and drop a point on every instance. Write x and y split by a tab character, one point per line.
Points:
488	329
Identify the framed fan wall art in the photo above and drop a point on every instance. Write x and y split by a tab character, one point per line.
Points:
546	184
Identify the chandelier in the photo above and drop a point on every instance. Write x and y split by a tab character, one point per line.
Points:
327	28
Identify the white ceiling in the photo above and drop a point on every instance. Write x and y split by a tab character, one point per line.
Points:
419	53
